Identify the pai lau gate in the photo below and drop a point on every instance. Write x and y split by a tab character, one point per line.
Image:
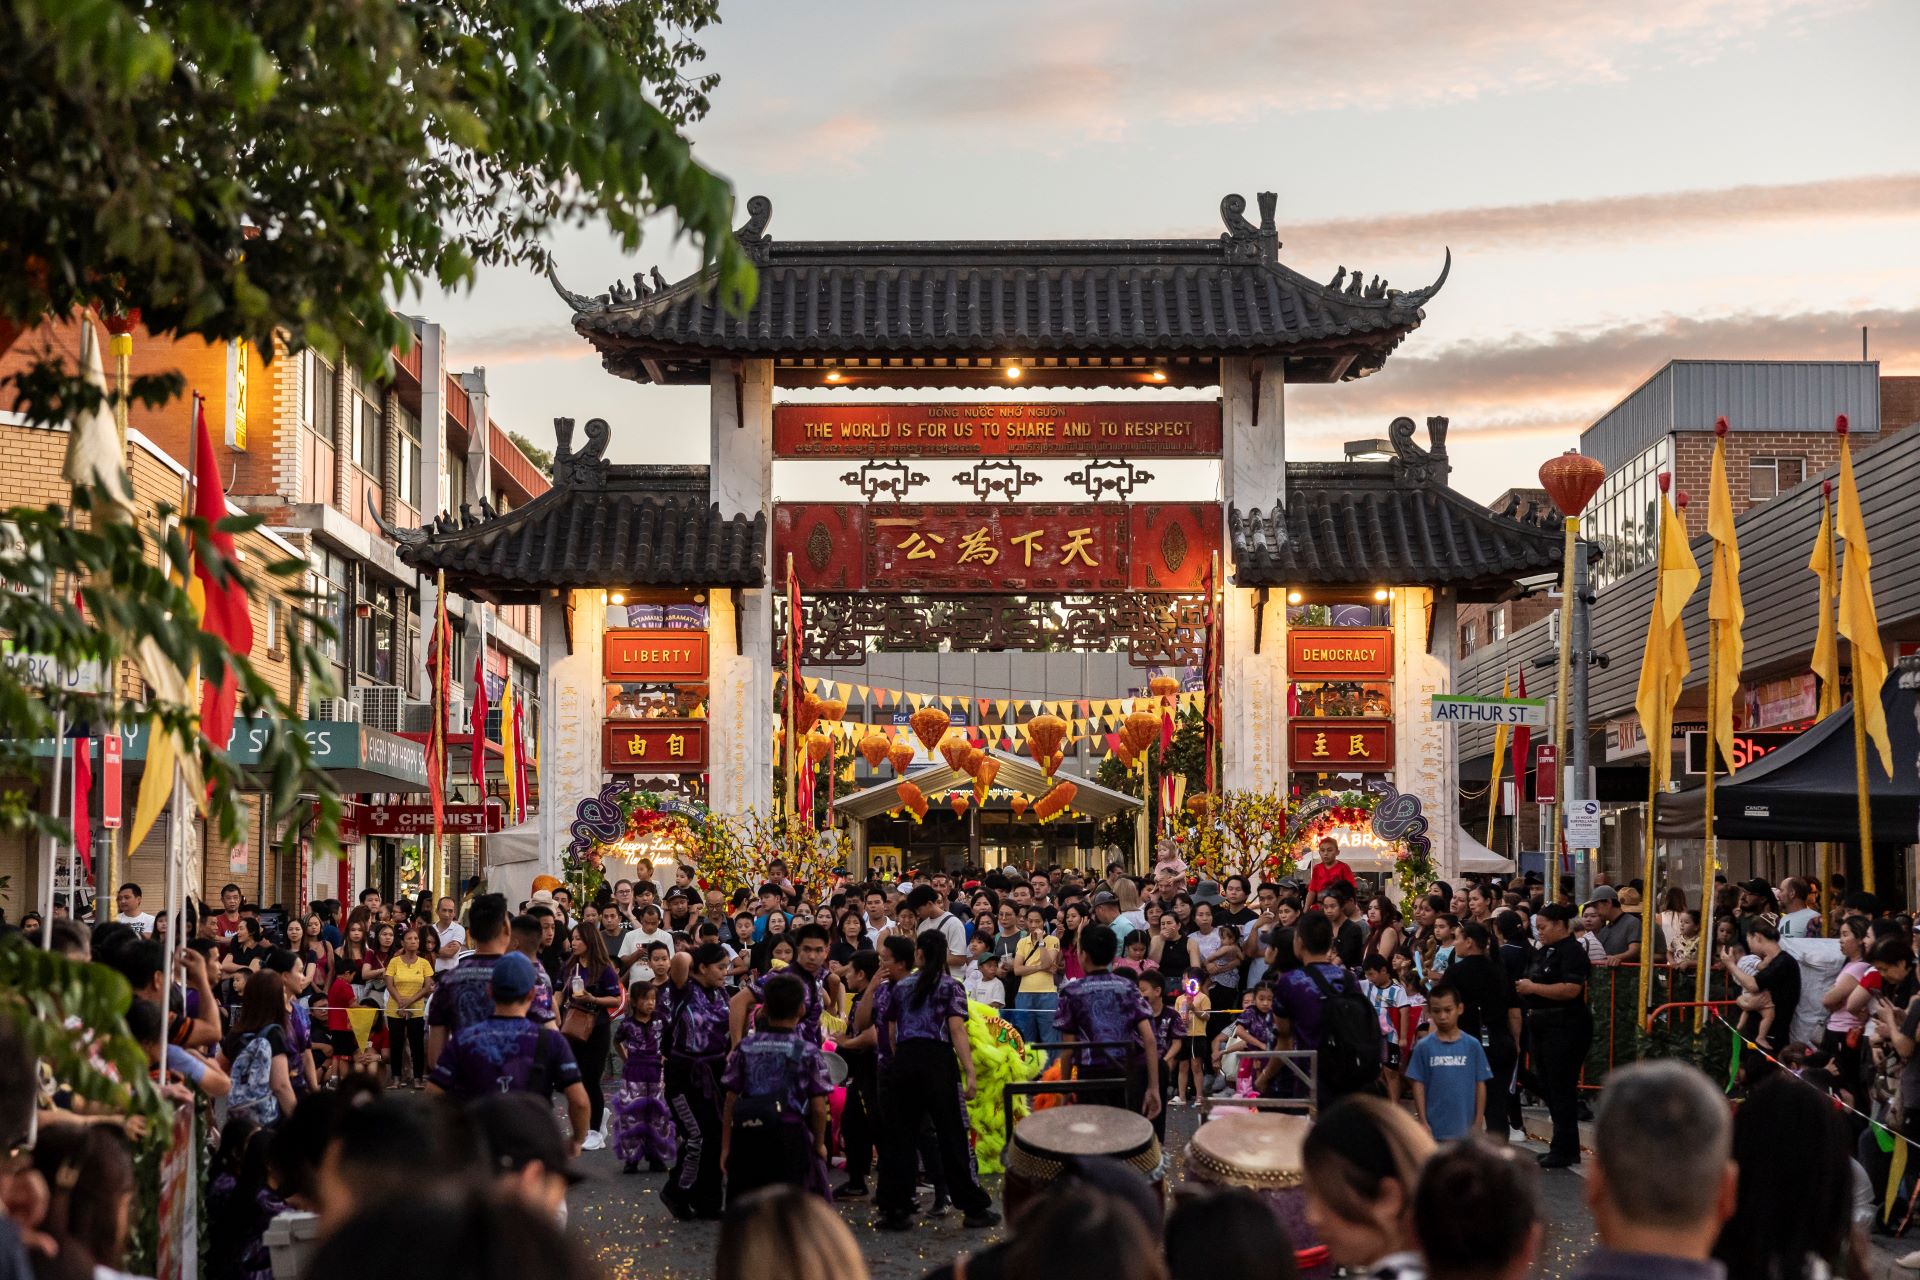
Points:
900	426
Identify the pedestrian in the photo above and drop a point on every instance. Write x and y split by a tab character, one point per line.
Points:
931	1069
774	1119
1328	869
409	983
88	1171
1619	929
1036	962
593	994
1449	1072
1361	1162
524	1151
1490	1014
1769	994
859	1049
1106	1009
1388	998
1228	1233
465	992
256	1057
1663	1180
463	1229
1193	1009
1792	1219
510	1053
1476	1214
785	1232
642	1125
696	1052
1559	1027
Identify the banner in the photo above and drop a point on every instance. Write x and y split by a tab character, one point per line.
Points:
1181	429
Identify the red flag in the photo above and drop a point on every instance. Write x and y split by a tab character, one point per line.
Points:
1522	750
439	659
519	762
82	801
224	612
477	722
796	749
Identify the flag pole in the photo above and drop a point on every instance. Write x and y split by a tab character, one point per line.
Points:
1860	787
1550	856
1704	942
791	789
1659	745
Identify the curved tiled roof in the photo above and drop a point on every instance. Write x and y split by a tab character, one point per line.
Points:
1032	298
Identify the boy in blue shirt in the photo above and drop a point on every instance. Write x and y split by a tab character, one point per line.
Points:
1448	1071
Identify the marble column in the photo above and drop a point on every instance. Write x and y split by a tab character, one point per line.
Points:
1425	757
1253	475
572	702
740	702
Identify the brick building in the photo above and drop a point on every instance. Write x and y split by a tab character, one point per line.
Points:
325	455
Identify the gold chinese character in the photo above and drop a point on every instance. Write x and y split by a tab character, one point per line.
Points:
676	745
637	747
1078	540
1320	747
978	546
1030	543
1357	746
916	545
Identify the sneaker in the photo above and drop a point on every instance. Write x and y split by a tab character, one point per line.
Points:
852	1191
594	1141
981	1220
1911	1262
941	1207
1552	1161
1516	1135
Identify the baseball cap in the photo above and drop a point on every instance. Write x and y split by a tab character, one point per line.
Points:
512	977
1756	885
1603	893
519	1129
1104	898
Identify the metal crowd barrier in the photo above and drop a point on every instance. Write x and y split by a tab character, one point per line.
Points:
1304	1064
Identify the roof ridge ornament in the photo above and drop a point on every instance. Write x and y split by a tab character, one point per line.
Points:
1420	466
1244	240
588	467
577	302
752	234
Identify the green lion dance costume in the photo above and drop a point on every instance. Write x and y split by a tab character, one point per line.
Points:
1000	1058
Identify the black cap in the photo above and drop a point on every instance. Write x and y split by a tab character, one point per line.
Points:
519	1129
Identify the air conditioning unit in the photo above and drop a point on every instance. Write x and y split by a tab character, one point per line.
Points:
379	706
336	709
416	717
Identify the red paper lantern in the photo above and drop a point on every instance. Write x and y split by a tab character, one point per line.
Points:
1571	480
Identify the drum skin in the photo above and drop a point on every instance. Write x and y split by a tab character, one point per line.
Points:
1261	1153
1046	1142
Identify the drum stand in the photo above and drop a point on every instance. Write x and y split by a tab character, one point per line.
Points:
1114	1085
1303	1063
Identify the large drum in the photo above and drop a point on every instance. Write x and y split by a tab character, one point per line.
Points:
1261	1153
1046	1142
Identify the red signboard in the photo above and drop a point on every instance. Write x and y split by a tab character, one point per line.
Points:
659	656
1341	746
110	749
1546	774
417	819
1124	429
1340	653
1001	547
656	746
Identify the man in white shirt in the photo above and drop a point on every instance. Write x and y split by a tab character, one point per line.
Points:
453	935
1797	918
930	908
650	931
128	899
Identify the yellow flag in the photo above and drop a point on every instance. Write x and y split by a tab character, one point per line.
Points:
1857	620
1499	758
1724	605
1824	564
507	748
1665	667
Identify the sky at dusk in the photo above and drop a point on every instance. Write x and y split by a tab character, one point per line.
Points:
1620	183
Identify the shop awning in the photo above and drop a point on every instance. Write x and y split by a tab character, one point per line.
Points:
355	757
1017	773
1805	790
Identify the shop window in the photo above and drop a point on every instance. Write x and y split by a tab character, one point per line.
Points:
1469	638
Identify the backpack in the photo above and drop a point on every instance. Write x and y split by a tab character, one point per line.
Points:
1349	1054
252	1094
754	1110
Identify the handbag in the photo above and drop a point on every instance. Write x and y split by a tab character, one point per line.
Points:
577	1024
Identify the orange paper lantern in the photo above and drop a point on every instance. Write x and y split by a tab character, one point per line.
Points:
914	800
875	747
1124	750
1063	792
1045	734
954	752
807	714
1197	804
1163	686
1019	805
900	755
929	725
819	746
958	803
983	778
974	759
833	709
1142	729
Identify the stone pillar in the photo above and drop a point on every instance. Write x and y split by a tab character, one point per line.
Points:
572	701
740	704
1253	476
1423	751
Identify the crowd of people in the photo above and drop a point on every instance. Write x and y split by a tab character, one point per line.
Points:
727	1021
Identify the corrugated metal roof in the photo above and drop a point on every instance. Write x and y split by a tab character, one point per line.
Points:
1754	395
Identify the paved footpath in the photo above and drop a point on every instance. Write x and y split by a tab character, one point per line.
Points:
631	1236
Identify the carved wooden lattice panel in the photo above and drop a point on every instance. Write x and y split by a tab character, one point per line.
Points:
1151	629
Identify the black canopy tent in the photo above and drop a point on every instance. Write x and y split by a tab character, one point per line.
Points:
1805	790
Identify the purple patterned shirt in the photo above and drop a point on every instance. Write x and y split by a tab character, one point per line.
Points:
464	995
1103	1007
700	1022
641	1040
768	1065
815	983
920	1022
505	1055
1166	1026
1257	1024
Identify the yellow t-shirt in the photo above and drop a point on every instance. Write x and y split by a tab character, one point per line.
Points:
1196	1009
1022	954
409	979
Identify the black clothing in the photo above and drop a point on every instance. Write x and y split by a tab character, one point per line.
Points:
1563	961
1485	998
1779	978
694	1184
1350	943
923	1081
1559	1032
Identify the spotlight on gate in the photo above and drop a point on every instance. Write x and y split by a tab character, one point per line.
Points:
833	375
1294	597
1159	375
1380	593
1014	372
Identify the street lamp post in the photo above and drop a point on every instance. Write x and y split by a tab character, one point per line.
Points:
1571	480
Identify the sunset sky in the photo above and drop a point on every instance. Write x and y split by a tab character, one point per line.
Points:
1621	184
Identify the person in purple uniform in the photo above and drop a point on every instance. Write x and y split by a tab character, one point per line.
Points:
1106	1008
696	1052
775	1118
642	1125
464	994
510	1053
810	966
930	1068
